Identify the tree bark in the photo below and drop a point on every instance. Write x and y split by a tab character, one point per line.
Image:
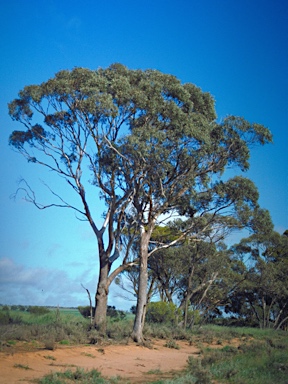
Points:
101	297
137	333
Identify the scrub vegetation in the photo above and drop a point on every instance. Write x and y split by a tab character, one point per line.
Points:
226	354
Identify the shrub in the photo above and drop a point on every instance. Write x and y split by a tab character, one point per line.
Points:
115	314
85	311
119	330
161	312
4	318
194	366
35	310
49	344
172	344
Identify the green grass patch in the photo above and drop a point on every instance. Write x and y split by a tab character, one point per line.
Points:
49	357
172	344
26	367
154	372
80	376
11	342
88	355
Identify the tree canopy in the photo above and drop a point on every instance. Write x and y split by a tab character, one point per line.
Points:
151	146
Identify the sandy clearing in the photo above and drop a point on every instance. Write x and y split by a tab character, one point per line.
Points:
128	361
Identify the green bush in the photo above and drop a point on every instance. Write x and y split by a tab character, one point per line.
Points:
194	366
4	318
35	310
161	312
112	312
85	311
7	318
115	314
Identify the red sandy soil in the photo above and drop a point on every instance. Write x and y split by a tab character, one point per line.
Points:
17	365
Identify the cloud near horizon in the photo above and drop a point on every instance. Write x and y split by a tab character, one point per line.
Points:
22	285
38	286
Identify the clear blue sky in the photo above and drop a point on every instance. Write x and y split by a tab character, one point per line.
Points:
236	50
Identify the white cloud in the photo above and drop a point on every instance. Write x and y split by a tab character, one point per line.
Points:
38	286
24	285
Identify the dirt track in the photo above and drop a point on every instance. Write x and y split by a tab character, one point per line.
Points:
128	361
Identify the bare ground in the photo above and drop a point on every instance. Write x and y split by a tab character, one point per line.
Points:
133	362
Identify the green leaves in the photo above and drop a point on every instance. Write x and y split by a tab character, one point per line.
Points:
19	138
144	138
263	296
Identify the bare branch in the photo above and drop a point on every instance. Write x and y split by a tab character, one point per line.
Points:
30	197
90	302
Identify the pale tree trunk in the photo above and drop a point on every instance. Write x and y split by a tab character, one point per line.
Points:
137	333
276	326
188	296
101	297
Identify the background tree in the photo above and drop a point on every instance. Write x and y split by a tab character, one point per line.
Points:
200	277
263	298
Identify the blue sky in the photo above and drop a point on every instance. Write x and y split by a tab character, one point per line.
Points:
236	50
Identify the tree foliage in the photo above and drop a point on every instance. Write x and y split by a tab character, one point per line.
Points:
263	298
151	147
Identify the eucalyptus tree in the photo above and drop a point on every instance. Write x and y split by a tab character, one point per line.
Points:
264	295
150	146
182	155
71	122
199	276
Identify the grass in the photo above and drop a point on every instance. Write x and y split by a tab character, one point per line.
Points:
11	342
154	372
80	376
260	356
263	359
49	357
88	355
49	329
172	344
26	367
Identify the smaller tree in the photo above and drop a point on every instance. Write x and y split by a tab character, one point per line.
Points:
263	298
189	274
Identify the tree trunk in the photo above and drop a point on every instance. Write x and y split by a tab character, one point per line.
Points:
101	297
186	311
137	333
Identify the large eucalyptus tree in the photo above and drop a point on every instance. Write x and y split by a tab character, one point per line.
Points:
151	147
180	158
